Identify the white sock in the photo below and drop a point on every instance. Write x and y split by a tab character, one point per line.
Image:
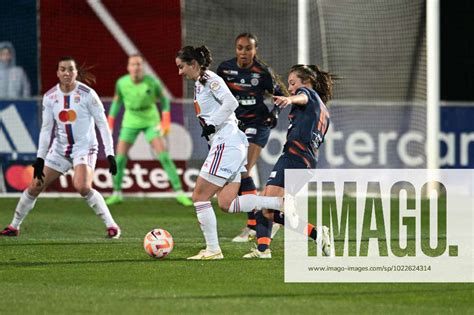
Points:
207	220
248	203
24	206
97	203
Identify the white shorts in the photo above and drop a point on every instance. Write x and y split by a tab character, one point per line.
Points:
63	164
219	181
226	160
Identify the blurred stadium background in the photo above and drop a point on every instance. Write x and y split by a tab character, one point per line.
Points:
378	48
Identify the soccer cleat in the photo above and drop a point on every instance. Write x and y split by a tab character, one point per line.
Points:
323	240
114	232
184	200
204	254
255	253
10	231
113	200
275	229
246	235
291	217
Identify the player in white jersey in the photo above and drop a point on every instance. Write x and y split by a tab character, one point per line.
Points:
220	173
74	109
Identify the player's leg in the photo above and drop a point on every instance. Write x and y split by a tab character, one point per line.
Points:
126	140
257	137
82	182
264	224
321	235
158	145
28	199
207	186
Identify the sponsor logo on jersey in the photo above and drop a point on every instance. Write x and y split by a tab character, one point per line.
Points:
229	78
242	81
254	81
67	116
230	72
251	131
255	75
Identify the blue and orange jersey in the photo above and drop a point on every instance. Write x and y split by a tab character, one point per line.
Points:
249	86
308	126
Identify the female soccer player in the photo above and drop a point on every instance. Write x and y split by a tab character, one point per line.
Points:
220	173
76	109
250	80
139	93
310	89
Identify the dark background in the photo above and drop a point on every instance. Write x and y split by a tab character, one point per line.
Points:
457	44
457	50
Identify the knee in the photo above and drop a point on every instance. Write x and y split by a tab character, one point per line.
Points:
82	189
224	204
267	214
36	188
196	197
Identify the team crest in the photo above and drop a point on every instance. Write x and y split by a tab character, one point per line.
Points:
77	99
254	81
214	85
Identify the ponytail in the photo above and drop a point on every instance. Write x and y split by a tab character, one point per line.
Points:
321	81
83	73
202	55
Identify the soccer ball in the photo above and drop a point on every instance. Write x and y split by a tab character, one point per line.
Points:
158	243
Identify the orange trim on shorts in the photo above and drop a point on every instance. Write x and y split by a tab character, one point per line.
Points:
309	229
264	240
251	222
249	192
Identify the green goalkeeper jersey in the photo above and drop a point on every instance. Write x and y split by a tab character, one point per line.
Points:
139	100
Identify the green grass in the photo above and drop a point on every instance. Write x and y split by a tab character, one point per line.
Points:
62	263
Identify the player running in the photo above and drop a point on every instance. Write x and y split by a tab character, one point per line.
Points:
139	93
310	89
220	173
250	80
75	109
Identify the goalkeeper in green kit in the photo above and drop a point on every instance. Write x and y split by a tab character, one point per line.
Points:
139	93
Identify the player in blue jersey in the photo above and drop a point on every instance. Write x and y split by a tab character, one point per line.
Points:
310	89
250	80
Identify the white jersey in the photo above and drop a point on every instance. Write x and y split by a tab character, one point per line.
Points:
76	114
208	99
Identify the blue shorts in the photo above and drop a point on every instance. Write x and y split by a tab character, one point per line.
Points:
257	134
277	176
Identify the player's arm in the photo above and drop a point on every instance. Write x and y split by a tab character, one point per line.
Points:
165	109
228	102
96	108
44	140
301	98
115	107
46	129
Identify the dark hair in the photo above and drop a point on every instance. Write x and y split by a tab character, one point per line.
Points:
201	54
321	81
276	78
83	73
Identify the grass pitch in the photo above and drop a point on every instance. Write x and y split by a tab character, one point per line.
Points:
62	263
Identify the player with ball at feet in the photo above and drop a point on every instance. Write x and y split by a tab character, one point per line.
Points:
221	172
76	109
